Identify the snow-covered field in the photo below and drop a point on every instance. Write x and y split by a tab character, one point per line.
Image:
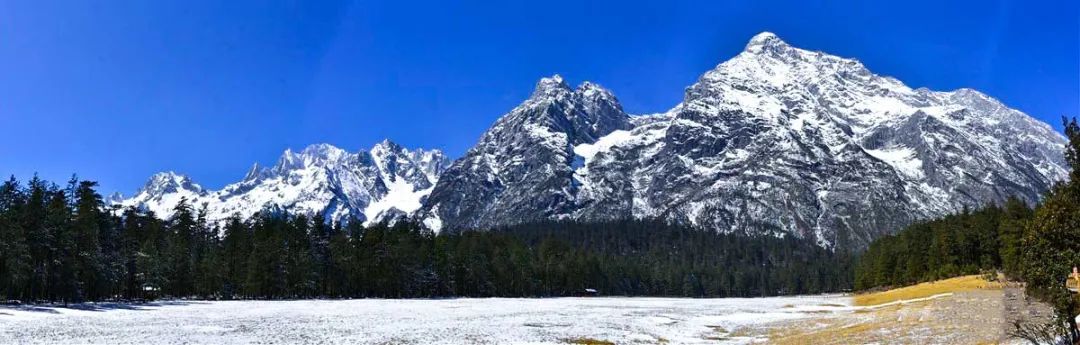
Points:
448	321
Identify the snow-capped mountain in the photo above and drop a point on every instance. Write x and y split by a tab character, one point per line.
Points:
522	168
777	140
384	182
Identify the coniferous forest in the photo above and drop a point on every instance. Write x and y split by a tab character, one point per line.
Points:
954	245
62	244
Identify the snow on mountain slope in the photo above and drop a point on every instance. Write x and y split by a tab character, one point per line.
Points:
384	182
522	167
777	140
784	140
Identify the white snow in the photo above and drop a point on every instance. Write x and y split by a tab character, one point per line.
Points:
433	221
440	321
401	195
546	136
903	159
605	143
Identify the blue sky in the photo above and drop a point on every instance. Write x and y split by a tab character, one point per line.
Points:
118	90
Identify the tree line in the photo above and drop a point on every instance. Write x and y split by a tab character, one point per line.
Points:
1038	246
969	242
63	244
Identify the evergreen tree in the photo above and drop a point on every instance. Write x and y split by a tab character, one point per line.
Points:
1010	232
206	257
182	228
89	220
61	262
15	259
236	252
321	262
153	261
132	234
40	241
299	271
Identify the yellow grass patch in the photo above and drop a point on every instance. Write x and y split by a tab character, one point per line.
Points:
589	341
879	321
835	333
965	283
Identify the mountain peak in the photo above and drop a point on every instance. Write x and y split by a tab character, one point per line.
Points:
386	145
254	173
169	182
314	154
592	93
322	149
555	78
166	175
323	152
764	41
550	86
588	86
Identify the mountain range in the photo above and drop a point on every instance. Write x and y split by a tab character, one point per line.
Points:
777	140
385	182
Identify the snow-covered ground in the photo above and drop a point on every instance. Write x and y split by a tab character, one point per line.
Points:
449	321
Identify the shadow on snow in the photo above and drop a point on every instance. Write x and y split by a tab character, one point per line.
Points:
96	306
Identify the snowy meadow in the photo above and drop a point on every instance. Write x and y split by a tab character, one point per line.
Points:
442	321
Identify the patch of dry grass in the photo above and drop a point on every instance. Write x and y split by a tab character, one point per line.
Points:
588	341
835	333
965	283
920	321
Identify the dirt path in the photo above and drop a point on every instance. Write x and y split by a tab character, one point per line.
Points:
1019	308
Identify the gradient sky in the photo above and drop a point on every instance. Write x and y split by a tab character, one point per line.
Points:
118	90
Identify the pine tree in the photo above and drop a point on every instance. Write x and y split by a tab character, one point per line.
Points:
322	266
298	268
181	252
61	260
153	262
206	257
89	220
266	265
236	252
15	259
341	255
39	239
1015	216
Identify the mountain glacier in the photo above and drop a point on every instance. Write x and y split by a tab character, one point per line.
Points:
385	182
777	140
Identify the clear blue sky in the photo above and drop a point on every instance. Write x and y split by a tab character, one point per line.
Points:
118	90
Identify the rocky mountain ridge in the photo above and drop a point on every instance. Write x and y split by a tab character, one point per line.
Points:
384	182
777	140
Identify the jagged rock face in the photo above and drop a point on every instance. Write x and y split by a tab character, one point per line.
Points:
522	168
381	183
777	140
